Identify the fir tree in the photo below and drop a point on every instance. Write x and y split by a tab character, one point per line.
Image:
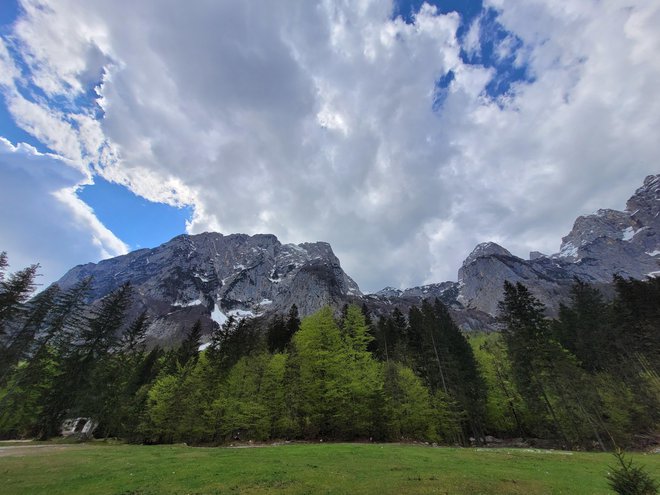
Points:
22	341
13	293
132	341
292	322
189	349
277	335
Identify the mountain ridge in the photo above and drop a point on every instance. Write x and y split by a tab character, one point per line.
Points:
211	276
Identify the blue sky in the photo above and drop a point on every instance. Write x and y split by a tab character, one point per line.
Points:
136	221
402	144
142	223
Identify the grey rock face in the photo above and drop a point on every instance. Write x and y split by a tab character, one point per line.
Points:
610	242
210	276
535	255
384	301
607	243
482	278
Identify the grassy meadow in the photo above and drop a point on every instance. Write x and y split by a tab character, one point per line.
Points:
98	468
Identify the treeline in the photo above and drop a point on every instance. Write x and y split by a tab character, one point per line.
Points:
587	379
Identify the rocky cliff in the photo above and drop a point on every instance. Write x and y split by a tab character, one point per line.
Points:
211	276
607	243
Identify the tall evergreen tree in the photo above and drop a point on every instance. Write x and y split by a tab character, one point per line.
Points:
546	374
292	322
525	332
14	292
133	339
83	388
277	335
583	328
189	349
20	343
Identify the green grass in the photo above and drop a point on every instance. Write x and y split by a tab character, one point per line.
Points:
303	469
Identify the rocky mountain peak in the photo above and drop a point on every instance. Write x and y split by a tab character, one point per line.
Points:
619	237
388	292
644	205
211	276
606	243
486	249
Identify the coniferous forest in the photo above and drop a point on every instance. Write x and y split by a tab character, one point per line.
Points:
585	380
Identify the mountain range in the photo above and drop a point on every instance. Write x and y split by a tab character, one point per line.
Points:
211	276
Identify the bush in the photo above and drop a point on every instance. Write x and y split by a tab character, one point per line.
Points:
626	479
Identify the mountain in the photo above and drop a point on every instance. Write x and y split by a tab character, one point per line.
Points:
607	243
211	276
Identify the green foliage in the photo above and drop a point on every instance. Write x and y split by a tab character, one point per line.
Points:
626	479
241	407
24	397
189	348
14	292
443	357
407	411
589	378
505	409
337	378
281	331
163	410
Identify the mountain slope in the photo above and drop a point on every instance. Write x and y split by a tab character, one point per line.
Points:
210	276
607	243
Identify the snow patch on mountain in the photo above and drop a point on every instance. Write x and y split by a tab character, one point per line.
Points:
218	316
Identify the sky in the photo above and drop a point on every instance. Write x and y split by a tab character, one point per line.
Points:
401	132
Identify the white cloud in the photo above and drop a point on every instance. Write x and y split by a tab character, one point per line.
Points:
47	125
43	221
8	70
314	121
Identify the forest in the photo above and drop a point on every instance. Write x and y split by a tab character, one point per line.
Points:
585	380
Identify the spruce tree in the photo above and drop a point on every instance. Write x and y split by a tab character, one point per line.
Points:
189	349
132	341
292	322
23	340
101	334
583	327
14	292
277	335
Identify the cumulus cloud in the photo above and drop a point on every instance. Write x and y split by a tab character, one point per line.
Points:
323	121
43	221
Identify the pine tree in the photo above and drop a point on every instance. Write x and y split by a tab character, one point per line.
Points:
132	341
627	479
583	327
547	375
277	335
219	352
189	349
525	332
67	318
101	334
14	292
292	322
19	345
636	315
